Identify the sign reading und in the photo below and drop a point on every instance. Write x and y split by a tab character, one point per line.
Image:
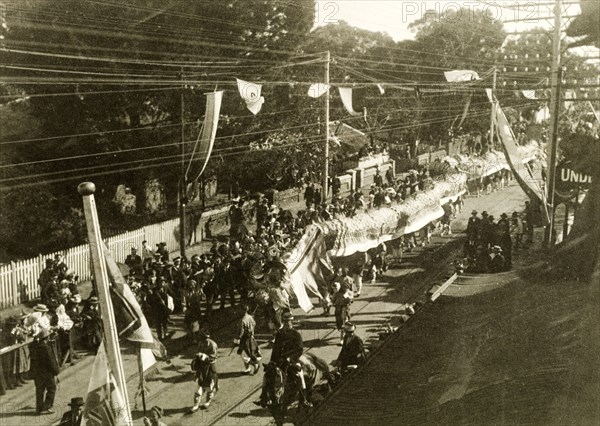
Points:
569	180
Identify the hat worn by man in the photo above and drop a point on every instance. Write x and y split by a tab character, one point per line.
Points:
157	411
503	215
484	213
287	316
94	300
204	333
40	308
349	327
497	249
474	212
76	402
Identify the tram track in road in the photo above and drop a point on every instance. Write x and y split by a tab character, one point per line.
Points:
442	267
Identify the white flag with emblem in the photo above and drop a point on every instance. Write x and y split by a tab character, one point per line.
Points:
317	90
250	93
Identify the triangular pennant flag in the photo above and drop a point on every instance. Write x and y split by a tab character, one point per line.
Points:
381	89
255	107
250	93
317	90
465	110
461	75
346	95
209	128
529	94
104	401
489	92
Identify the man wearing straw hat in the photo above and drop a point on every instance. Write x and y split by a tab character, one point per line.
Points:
44	369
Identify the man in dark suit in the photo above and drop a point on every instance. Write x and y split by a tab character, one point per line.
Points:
134	262
73	416
353	350
473	228
287	349
44	369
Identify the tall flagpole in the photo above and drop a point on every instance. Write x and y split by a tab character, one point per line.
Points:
493	117
554	111
111	336
326	169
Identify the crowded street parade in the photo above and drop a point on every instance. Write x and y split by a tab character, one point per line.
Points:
299	212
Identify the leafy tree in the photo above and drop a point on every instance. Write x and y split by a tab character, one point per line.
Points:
124	97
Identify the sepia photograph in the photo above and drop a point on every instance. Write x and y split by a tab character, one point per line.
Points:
299	212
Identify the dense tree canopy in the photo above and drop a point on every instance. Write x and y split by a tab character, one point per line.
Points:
95	89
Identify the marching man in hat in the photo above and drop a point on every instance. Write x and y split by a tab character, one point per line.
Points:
73	416
248	348
156	413
287	349
204	366
353	350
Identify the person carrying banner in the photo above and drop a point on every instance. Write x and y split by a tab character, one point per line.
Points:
204	366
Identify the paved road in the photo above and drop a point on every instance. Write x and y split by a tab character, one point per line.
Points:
172	388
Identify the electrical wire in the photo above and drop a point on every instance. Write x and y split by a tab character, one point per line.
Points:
318	137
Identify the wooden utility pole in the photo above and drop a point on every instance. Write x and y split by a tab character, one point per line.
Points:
325	190
183	180
554	113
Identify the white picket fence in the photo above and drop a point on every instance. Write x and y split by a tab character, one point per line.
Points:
18	280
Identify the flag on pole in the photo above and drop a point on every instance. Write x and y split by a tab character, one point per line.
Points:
531	182
250	93
307	268
104	403
346	95
139	332
318	89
